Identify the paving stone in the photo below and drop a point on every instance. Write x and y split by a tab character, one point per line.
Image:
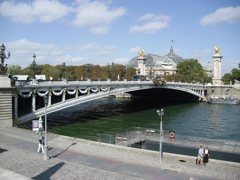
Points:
79	159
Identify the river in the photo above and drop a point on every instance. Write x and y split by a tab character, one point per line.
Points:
114	115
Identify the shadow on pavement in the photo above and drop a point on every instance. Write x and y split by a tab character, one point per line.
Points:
2	150
63	151
48	173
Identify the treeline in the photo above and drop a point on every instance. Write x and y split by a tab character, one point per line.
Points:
58	72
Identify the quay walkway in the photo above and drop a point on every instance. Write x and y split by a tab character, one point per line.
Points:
81	159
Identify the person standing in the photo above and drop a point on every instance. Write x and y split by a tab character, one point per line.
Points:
40	144
200	155
206	156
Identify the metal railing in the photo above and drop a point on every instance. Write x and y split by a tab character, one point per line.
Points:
135	135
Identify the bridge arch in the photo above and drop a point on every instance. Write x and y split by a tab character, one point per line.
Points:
95	90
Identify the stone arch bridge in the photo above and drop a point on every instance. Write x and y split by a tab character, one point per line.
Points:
84	91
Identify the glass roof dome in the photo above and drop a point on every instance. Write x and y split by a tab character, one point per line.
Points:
153	60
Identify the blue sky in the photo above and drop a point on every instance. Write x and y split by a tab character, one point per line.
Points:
100	32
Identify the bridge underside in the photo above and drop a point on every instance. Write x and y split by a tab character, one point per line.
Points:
162	93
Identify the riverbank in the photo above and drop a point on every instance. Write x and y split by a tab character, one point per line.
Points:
82	159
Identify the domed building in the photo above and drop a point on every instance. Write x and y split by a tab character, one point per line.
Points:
160	65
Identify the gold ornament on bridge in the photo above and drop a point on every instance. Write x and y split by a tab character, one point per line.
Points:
217	50
141	53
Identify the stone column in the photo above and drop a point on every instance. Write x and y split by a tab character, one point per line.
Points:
63	95
142	65
50	98
34	102
76	95
217	80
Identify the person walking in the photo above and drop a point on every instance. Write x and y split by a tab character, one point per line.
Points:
206	156
200	155
40	144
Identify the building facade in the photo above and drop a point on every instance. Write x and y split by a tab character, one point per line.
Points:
161	65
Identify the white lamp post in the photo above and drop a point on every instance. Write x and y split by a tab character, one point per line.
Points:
160	113
45	157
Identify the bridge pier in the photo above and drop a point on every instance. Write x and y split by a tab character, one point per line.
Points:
6	116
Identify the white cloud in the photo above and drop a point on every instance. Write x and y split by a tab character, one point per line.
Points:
229	14
22	52
41	10
99	29
48	11
97	15
90	46
70	60
204	53
26	48
20	12
121	61
146	16
106	50
150	27
134	50
154	24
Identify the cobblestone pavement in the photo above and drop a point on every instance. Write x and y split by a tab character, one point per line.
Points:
78	159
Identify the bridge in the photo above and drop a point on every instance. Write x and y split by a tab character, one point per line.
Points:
85	91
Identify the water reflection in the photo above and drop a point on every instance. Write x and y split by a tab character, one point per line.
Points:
115	115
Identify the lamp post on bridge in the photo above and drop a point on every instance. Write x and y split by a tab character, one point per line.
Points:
63	68
108	70
124	71
150	73
45	157
3	68
34	66
160	113
88	69
139	71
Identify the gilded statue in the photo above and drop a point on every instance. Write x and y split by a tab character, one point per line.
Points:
217	50
141	53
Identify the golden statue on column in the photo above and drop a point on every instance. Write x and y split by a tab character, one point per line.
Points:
217	50
141	53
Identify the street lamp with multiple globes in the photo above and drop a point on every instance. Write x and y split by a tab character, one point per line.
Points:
88	69
108	70
150	73
45	157
34	66
124	71
3	68
160	113
63	68
139	71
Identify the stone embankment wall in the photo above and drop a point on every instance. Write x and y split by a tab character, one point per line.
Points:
223	90
6	118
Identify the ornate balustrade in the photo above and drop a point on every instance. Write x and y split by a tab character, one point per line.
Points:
85	91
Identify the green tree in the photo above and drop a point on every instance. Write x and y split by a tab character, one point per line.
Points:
236	74
191	71
227	78
131	71
14	70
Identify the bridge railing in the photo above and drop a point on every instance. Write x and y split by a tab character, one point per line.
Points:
136	135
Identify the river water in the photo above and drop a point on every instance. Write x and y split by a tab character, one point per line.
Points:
114	115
